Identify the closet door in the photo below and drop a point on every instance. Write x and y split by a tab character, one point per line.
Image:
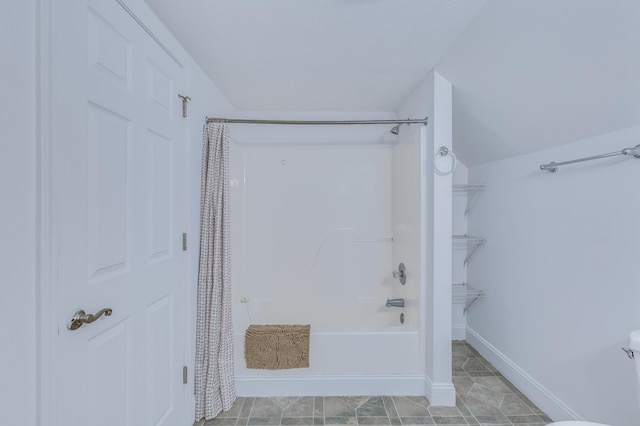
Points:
116	179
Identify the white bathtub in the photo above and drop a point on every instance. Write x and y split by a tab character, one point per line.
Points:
383	358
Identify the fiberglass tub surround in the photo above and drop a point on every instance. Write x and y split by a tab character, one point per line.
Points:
318	232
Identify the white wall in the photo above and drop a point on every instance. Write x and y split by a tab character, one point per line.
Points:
432	98
560	271
18	250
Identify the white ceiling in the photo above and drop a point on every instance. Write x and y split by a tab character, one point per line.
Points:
527	74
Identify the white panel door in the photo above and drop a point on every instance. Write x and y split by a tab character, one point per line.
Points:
116	173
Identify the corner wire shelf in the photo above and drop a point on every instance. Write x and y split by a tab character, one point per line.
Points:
471	244
471	191
463	293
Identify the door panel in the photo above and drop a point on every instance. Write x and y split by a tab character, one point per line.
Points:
160	196
109	215
111	347
109	51
116	173
160	383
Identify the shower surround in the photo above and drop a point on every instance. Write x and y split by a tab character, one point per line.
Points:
317	231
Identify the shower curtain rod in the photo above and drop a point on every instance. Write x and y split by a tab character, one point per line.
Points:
315	122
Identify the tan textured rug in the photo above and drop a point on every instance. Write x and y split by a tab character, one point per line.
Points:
277	347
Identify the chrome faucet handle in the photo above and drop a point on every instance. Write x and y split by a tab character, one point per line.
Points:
400	274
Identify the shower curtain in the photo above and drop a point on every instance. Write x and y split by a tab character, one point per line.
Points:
214	370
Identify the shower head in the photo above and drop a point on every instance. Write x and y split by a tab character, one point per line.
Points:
396	129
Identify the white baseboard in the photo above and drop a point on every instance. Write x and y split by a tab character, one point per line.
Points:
440	394
537	393
459	332
342	385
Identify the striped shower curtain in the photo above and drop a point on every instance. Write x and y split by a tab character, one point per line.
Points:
214	372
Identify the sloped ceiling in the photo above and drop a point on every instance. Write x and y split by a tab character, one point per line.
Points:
527	74
316	55
533	74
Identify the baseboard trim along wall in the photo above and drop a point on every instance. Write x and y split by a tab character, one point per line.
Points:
459	332
338	385
537	393
440	394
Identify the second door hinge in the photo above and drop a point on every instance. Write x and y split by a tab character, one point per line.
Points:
185	376
184	241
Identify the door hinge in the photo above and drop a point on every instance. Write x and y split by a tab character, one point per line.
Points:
185	376
184	241
185	99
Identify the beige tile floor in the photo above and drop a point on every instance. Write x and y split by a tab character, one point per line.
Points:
485	397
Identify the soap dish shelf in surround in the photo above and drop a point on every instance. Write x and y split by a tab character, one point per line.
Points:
463	294
471	191
466	242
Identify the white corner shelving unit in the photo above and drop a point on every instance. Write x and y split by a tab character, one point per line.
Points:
462	293
471	191
466	242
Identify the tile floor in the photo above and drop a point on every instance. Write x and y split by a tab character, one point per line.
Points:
485	397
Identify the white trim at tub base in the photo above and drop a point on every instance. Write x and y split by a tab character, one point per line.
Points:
440	394
538	394
342	385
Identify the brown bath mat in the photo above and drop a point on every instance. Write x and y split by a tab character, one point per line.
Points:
277	347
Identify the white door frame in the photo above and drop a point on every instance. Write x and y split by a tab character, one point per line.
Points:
47	260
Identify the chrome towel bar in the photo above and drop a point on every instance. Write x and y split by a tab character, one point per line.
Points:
553	166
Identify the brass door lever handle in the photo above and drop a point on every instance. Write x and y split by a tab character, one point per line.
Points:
81	317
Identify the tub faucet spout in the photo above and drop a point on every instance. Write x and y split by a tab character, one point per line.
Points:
397	303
